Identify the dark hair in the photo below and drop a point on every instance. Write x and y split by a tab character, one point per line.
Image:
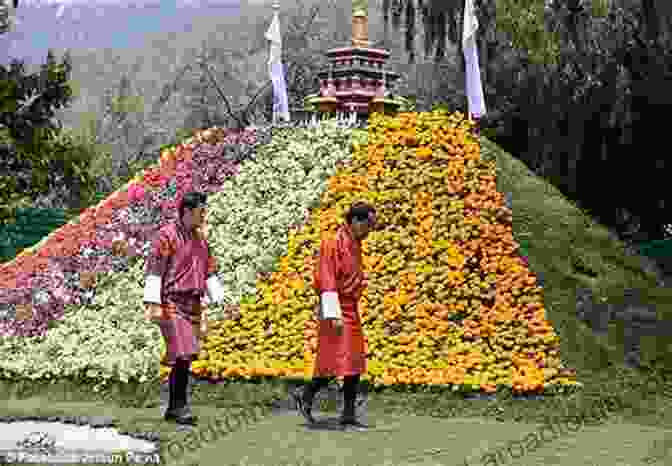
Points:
192	200
360	211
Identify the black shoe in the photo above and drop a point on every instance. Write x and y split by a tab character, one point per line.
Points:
349	422
303	406
180	417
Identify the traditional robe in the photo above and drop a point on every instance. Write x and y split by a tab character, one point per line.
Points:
179	272
340	282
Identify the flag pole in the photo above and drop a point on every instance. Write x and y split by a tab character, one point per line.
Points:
276	13
474	86
276	69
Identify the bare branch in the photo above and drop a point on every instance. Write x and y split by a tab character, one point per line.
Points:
206	68
168	90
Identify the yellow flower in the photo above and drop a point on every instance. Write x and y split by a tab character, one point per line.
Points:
413	169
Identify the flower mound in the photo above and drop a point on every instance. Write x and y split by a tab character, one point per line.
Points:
250	217
100	334
449	300
62	269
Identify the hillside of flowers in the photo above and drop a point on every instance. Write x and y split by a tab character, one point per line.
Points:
89	324
63	269
449	302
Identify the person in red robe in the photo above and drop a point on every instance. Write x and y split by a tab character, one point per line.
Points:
340	281
180	270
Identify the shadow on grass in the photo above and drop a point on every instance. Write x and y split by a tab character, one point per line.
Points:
329	423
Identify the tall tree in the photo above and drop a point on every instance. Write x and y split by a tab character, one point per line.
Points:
31	155
523	21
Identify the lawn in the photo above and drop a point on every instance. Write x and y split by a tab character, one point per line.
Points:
414	426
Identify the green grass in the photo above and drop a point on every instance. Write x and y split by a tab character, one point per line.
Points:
559	236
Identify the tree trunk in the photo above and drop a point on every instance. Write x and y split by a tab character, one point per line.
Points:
651	19
483	59
572	24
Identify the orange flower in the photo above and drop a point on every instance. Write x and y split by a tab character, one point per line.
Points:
456	284
24	312
166	247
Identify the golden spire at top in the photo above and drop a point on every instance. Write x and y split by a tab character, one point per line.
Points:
360	23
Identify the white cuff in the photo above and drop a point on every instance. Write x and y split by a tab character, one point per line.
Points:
152	289
331	307
215	290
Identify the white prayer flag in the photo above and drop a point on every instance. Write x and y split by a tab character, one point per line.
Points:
473	72
275	68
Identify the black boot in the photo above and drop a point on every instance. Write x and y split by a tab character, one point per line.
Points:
349	418
178	413
304	398
171	391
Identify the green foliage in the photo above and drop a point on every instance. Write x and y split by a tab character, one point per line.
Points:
600	8
166	147
524	21
27	106
408	104
28	101
112	153
441	107
35	146
128	104
87	163
30	227
182	134
86	138
137	166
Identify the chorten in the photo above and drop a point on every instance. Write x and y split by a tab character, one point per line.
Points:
356	80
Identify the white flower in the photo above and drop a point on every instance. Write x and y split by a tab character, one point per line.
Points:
255	209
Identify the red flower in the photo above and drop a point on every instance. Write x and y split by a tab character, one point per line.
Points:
58	235
41	264
86	218
122	197
49	243
68	249
85	222
45	251
168	165
106	212
8	270
170	174
153	177
119	202
187	154
100	221
29	266
86	235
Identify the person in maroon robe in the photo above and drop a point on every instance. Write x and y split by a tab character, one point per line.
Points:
340	281
179	272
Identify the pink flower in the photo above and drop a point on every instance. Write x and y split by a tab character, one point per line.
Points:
136	192
60	294
168	205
